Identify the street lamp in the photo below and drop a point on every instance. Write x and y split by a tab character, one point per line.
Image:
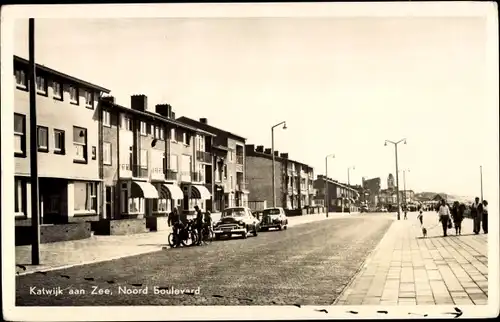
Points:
272	148
397	175
327	199
349	183
404	183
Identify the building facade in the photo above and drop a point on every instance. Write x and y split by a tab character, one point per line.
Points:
67	146
341	197
373	187
228	164
149	161
293	180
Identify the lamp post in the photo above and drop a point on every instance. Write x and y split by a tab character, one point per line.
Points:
404	184
327	199
481	176
397	175
272	148
349	183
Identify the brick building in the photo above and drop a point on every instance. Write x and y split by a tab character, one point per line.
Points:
68	154
229	178
342	198
149	164
294	180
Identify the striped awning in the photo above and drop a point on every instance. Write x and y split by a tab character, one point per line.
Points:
200	192
144	190
171	191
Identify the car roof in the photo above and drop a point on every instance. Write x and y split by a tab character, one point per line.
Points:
240	208
271	208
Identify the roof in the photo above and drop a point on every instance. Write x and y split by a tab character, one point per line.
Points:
209	128
336	183
62	75
157	117
276	158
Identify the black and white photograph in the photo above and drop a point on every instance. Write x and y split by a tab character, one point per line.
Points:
250	160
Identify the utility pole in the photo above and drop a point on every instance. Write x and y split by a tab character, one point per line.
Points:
272	152
35	205
327	197
397	172
349	185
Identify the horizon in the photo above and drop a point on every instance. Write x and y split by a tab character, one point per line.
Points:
326	77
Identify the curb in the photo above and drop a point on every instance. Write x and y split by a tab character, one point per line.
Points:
363	265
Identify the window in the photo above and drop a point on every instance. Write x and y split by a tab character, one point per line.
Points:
135	205
21	79
186	138
73	94
19	134
85	197
162	134
144	159
43	139
225	171
157	132
106	118
59	146
144	128
80	144
106	153
18	197
160	205
173	163
41	85
126	123
124	198
172	135
57	89
179	136
89	99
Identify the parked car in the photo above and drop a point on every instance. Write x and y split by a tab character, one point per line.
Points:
273	218
236	221
381	209
363	208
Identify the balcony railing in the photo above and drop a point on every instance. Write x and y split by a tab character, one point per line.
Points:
171	174
239	159
139	171
186	176
203	156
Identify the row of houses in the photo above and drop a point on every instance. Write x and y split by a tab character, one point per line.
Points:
115	169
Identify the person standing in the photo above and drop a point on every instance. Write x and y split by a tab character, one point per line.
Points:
199	223
444	217
485	216
420	217
476	212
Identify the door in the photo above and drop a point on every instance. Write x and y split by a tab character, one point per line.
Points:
109	203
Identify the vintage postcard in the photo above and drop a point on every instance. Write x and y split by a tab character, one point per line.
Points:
250	161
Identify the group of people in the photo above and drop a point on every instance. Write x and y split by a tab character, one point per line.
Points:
454	216
178	220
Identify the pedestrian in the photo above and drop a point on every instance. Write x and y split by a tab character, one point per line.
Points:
454	215
174	222
476	212
420	217
485	216
460	217
444	217
405	207
198	222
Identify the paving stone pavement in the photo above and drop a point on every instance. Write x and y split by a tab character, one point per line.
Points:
407	269
103	248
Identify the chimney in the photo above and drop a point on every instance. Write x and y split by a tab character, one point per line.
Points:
260	148
109	98
284	155
267	151
276	154
139	102
203	120
250	147
164	110
172	115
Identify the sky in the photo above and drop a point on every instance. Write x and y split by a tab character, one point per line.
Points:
343	85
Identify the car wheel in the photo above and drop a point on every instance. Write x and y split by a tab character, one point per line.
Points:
280	227
217	236
255	232
285	227
245	234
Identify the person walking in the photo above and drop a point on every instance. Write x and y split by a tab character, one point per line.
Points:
174	222
199	223
455	216
485	216
444	217
476	212
420	217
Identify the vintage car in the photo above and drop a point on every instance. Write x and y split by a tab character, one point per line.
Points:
363	208
236	221
273	218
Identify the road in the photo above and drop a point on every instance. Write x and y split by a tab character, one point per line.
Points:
308	264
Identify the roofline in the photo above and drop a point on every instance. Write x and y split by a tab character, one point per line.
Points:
231	134
335	182
60	74
277	158
158	117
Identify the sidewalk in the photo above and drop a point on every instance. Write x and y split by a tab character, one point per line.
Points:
406	269
104	248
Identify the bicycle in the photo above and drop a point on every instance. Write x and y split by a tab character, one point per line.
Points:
186	236
207	234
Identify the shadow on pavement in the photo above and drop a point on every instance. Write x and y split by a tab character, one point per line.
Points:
449	235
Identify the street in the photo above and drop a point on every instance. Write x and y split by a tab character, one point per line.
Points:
308	264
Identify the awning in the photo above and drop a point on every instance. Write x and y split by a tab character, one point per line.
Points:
171	191
200	192
144	189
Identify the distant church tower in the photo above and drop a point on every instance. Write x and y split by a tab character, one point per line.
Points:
390	182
